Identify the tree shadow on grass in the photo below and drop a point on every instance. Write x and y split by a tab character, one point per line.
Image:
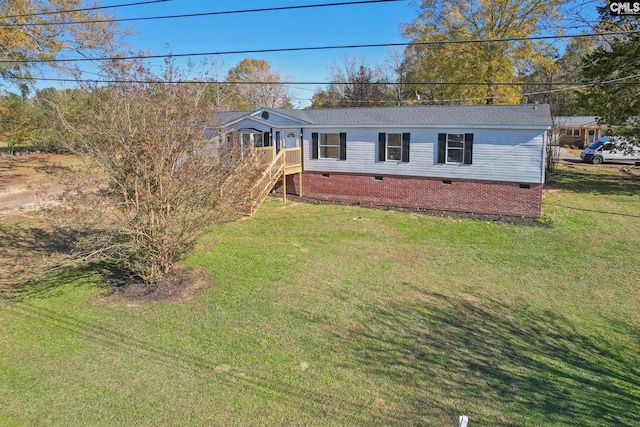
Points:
499	365
34	264
201	366
596	181
35	261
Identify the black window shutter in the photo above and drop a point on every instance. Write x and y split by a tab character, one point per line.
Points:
406	137
382	140
343	146
468	148
442	148
314	145
267	139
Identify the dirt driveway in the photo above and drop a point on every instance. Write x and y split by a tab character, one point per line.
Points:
24	183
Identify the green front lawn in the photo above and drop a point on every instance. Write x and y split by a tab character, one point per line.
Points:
333	315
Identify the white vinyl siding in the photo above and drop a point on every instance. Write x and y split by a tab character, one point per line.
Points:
498	154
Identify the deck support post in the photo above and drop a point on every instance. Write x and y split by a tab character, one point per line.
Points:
284	187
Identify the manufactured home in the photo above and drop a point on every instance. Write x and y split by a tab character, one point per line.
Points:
485	159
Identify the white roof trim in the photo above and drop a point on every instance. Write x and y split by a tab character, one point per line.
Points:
427	126
251	118
258	114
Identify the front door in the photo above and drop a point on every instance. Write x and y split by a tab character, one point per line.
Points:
291	139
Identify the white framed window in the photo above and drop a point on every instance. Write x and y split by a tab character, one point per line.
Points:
394	146
251	138
573	132
246	139
329	146
455	148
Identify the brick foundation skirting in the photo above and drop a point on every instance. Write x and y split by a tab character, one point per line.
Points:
443	194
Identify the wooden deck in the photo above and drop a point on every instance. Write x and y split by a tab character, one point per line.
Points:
288	161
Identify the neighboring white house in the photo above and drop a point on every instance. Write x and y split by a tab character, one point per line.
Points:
484	159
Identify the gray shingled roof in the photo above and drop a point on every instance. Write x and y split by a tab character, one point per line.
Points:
577	121
229	116
470	115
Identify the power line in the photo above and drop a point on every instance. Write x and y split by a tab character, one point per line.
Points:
193	15
483	98
572	86
579	86
316	48
619	81
85	9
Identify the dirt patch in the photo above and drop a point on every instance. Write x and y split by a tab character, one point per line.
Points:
28	198
631	171
25	182
181	284
29	246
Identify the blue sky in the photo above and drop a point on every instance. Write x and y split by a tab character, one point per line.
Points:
339	25
376	23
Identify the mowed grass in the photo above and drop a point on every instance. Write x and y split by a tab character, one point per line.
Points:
334	315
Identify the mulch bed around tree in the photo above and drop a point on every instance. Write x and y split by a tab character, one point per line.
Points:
180	284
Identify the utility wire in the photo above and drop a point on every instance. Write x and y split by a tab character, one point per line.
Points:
315	48
483	98
439	101
620	81
85	9
576	86
192	15
545	92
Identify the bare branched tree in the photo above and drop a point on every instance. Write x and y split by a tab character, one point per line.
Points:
552	155
253	85
157	171
353	84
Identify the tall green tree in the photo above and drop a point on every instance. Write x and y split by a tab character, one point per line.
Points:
19	121
33	31
79	105
543	83
485	63
325	98
615	63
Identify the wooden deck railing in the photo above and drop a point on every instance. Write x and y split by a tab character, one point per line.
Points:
265	154
266	182
292	160
287	161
